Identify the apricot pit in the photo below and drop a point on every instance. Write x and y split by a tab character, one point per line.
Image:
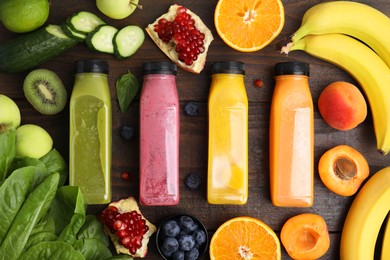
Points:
343	169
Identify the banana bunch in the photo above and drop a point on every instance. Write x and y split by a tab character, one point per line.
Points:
365	217
355	37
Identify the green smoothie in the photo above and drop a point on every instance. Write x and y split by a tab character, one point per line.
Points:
90	137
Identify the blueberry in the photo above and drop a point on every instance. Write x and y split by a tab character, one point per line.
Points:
192	255
178	255
170	228
186	242
191	109
199	237
193	181
187	224
169	246
127	132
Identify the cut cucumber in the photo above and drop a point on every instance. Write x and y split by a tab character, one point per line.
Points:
101	39
127	41
84	22
73	34
32	49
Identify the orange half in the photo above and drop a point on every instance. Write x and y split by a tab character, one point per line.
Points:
244	238
249	25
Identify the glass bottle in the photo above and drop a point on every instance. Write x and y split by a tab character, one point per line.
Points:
292	137
159	135
228	135
90	132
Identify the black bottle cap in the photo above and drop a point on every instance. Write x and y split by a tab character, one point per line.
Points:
292	68
96	66
229	67
159	67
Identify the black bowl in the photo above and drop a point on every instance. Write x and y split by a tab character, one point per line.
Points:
160	236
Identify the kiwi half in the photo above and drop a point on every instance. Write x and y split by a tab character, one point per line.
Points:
45	91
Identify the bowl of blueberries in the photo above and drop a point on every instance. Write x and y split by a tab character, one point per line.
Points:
181	237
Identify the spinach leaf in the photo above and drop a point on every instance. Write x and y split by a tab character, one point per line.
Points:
54	162
68	211
52	250
92	228
34	207
126	89
7	152
38	237
92	249
14	191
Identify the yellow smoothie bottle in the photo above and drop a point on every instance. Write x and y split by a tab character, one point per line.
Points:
292	137
90	132
228	135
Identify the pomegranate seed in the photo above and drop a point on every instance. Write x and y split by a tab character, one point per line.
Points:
122	233
117	224
258	83
125	176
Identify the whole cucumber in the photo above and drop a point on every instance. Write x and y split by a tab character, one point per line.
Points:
32	49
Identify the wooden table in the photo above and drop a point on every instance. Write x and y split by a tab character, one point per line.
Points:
193	139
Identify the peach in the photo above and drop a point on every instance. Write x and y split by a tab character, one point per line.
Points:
342	105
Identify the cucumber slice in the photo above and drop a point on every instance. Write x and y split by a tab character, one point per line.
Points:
127	41
101	39
84	22
72	34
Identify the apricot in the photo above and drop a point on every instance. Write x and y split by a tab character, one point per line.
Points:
342	105
305	236
343	169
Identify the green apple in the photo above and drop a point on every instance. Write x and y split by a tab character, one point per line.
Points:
32	141
9	114
117	9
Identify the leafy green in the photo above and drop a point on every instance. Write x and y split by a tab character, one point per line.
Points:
92	249
126	89
54	162
35	206
92	228
50	250
7	152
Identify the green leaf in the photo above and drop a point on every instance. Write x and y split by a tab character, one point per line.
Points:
92	228
92	249
52	250
54	162
126	89
35	206
7	152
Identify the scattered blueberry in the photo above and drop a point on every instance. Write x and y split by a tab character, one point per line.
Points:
193	254
171	228
178	255
169	246
193	181
191	109
199	237
127	132
186	242
187	224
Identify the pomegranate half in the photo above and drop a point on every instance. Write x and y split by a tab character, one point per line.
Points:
183	37
128	229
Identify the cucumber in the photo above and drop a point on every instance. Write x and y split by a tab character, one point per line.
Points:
101	39
73	34
127	41
33	49
84	22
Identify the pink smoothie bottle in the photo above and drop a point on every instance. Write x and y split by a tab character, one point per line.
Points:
159	135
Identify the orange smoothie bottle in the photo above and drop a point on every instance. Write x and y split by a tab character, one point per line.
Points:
228	135
292	137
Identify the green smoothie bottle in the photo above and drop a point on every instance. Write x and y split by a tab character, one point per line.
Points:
90	132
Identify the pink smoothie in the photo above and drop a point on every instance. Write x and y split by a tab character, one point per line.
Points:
159	140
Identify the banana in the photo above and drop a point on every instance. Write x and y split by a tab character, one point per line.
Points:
365	217
355	19
385	254
364	65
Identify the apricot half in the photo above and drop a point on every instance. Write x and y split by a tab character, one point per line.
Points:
342	105
305	236
343	169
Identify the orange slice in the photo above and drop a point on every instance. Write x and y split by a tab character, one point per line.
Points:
249	25
244	238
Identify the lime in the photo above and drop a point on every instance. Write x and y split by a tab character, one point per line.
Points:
23	15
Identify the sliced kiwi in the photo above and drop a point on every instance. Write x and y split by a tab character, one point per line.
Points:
45	91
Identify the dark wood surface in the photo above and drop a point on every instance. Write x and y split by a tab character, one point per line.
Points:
193	138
